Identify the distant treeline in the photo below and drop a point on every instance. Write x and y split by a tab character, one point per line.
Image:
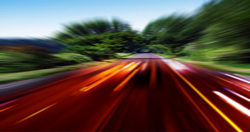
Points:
46	44
18	55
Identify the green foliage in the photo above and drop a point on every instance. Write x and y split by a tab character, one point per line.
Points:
168	31
75	58
157	48
206	35
240	56
115	41
217	24
100	39
119	41
227	26
96	53
93	27
12	61
123	55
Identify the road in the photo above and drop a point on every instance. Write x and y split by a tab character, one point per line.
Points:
143	93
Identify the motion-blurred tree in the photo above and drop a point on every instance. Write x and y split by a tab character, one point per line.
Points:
217	24
167	31
228	26
112	36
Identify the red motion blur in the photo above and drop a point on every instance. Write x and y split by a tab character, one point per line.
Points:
143	93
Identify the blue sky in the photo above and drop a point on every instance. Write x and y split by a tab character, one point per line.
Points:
42	18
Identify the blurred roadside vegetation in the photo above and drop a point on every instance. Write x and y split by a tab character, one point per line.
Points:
26	57
217	32
18	76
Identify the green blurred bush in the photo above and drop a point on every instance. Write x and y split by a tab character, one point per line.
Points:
96	53
74	57
156	48
25	58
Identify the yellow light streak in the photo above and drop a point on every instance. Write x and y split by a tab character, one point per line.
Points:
35	113
124	82
196	106
87	88
220	78
230	82
7	108
111	70
210	103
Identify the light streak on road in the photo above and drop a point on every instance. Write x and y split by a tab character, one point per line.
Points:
143	93
144	66
35	113
176	65
125	81
129	66
243	80
153	76
230	82
221	78
3	104
241	96
209	102
197	106
233	103
4	109
109	71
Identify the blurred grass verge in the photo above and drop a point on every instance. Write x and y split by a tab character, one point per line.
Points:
11	77
167	56
242	69
18	76
124	55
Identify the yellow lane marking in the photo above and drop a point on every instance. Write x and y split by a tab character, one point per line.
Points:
210	103
196	106
35	113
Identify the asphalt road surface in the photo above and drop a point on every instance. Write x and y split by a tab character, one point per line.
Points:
143	93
